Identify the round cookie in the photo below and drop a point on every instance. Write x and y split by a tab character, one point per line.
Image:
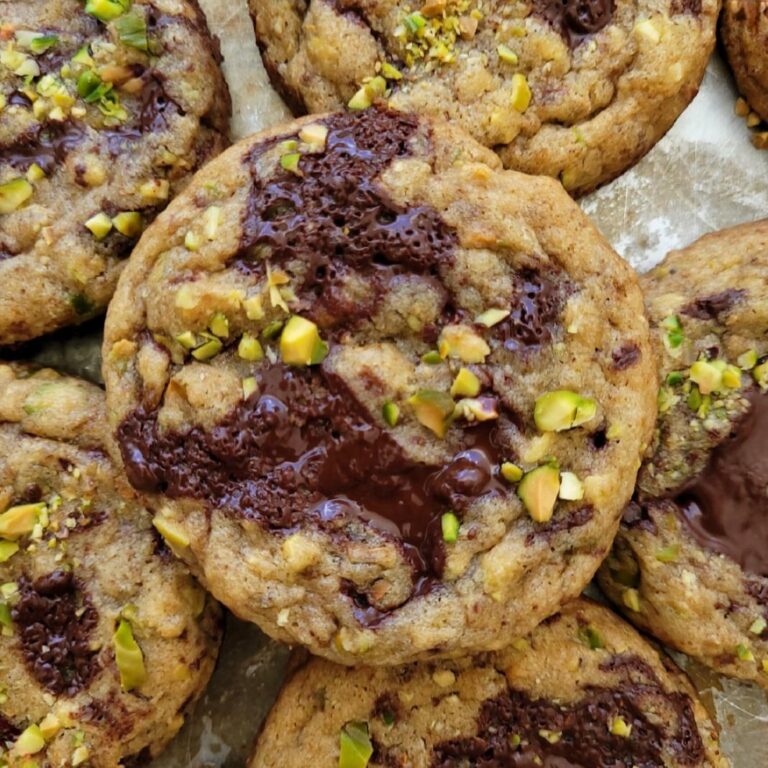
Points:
582	690
689	564
106	108
745	36
323	364
105	638
577	89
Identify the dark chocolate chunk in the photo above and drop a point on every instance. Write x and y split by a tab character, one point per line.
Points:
55	621
692	7
625	356
575	19
8	731
711	307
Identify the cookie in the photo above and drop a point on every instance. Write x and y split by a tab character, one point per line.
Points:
105	638
689	564
582	690
579	90
744	31
106	109
354	366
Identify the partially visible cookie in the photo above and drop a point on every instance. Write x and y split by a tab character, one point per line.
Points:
582	690
106	108
389	399
690	564
105	639
745	35
576	89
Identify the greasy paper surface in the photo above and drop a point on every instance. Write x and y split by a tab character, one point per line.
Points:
704	175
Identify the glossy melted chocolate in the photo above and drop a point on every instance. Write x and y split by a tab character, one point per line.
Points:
575	19
726	507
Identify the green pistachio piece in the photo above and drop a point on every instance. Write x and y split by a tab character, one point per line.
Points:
7	550
464	343
390	72
128	223
5	615
91	88
355	747
290	163
538	491
188	340
219	325
492	317
758	626
477	409
760	374
450	525
675	378
300	343
250	385
521	92
30	742
42	43
106	10
592	637
250	348
13	194
390	413
20	520
99	225
674	332
208	349
415	22
272	330
707	375
128	656
172	532
506	54
35	173
562	409
83	57
668	554
744	653
466	384
732	377
747	360
433	409
620	727
571	488
432	358
511	472
631	598
132	30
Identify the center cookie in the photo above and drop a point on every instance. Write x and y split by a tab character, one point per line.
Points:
388	398
577	89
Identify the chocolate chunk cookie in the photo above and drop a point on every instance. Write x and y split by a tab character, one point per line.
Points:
106	108
104	637
690	564
577	89
745	36
387	398
582	691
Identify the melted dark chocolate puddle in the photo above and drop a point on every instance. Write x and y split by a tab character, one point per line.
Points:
726	507
584	738
576	19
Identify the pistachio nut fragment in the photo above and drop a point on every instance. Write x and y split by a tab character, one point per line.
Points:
355	746
300	343
538	491
219	325
760	375
7	550
314	136
250	385
128	657
506	54
390	412
431	358
521	92
744	653
591	637
208	349
188	340
290	163
106	10
571	488
391	72
668	554
466	384
758	626
13	194
673	338
450	526
747	360
375	88
20	520
477	409
631	598
707	375
464	343
511	472
30	742
492	317
250	348
99	225
562	409
132	31
620	727
433	409
128	223
173	533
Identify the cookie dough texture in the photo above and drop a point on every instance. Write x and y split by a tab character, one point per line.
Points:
101	123
704	589
576	90
558	697
745	36
355	505
87	560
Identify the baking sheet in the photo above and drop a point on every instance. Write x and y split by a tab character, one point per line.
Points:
704	175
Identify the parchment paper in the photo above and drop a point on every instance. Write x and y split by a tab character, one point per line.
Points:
704	175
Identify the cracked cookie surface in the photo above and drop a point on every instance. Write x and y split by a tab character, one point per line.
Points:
582	690
106	638
388	398
106	109
579	90
689	564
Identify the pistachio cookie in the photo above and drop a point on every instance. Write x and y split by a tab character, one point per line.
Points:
690	563
745	36
388	398
106	108
105	638
578	89
582	691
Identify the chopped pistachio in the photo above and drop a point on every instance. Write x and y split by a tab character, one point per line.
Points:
747	360
390	413
592	637
631	598
219	325
450	526
172	532
648	30
132	30
99	225
464	343
707	375
432	357
106	10
675	378
355	746
254	308
511	472
208	349
315	135
433	409
551	736
155	189
758	626
521	92
290	163
272	330
49	726
7	550
20	520
30	742
562	409
506	54
466	384
250	385
744	653
128	223
80	755
668	554
732	377
620	727
477	409
212	221
760	374
188	340
375	88
13	194
571	488
250	348
492	317
538	491
673	338
37	42
390	72
301	344
191	241
128	657
35	173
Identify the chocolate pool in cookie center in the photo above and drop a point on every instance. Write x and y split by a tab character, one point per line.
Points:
726	507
